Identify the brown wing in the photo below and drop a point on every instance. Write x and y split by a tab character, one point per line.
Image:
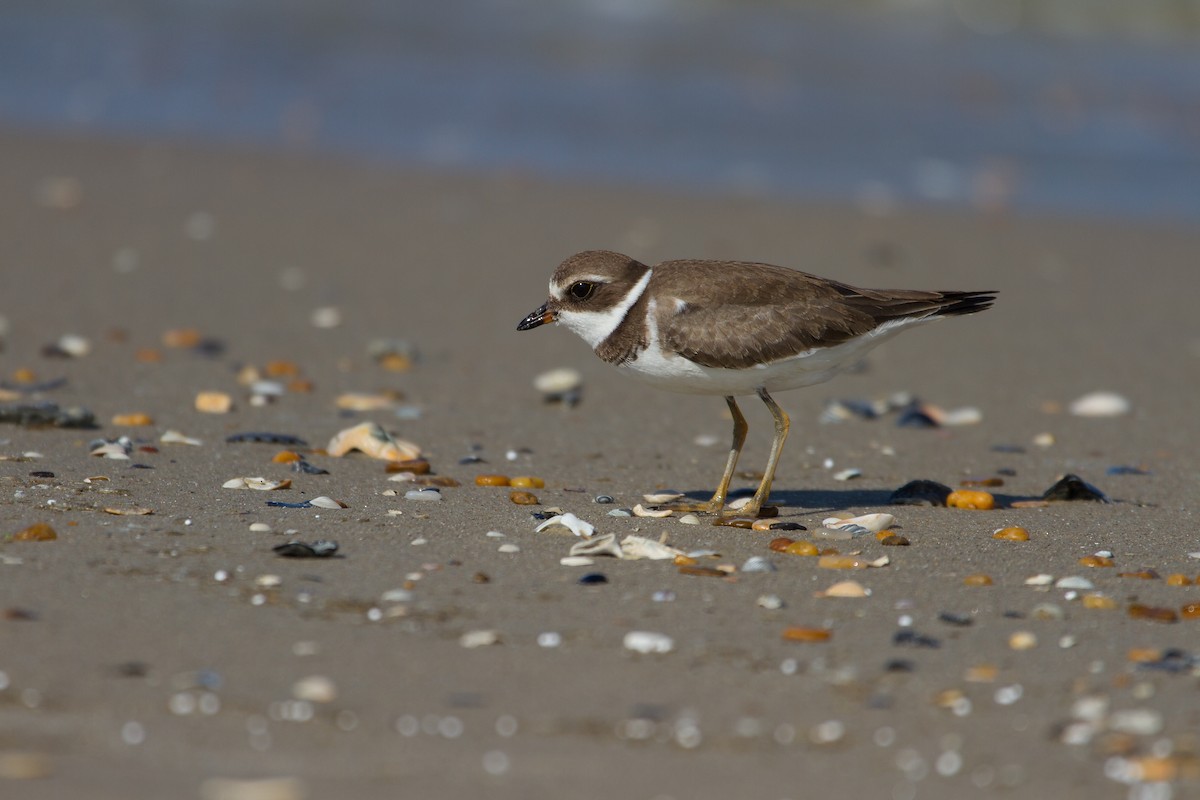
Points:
771	313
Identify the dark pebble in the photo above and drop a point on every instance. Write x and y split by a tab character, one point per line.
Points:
18	614
1124	470
920	493
604	499
593	578
284	504
267	438
787	526
472	459
910	638
38	415
140	466
41	474
1172	661
321	548
1073	487
915	418
899	665
542	515
307	468
1007	472
1014	614
959	620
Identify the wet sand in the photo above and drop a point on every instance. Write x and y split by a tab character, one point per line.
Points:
113	631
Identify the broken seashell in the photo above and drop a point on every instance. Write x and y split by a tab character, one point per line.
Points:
636	547
261	484
558	381
665	496
845	589
1099	404
118	450
658	513
213	402
370	438
648	642
570	522
362	401
576	561
175	437
605	545
327	502
128	512
872	523
484	638
847	474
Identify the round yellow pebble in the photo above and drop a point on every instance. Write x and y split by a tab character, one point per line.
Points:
972	499
978	579
491	480
527	482
802	549
1013	534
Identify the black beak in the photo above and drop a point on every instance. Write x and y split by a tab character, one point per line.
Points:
539	317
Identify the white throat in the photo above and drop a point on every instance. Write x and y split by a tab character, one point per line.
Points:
596	326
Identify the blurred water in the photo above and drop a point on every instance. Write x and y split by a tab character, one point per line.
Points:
956	105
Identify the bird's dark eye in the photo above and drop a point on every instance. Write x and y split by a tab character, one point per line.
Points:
582	290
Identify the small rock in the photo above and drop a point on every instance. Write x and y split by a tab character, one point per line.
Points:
648	642
1099	404
920	493
315	689
480	638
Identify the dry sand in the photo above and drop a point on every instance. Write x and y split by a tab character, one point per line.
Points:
121	616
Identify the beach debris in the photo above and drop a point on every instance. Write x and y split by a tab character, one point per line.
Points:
321	548
34	415
131	511
175	437
920	493
666	496
847	474
605	545
803	634
479	638
370	438
864	523
974	499
1073	487
850	589
689	519
37	532
119	448
133	419
315	689
259	484
758	564
1076	582
364	401
576	561
265	437
851	562
522	498
1011	534
593	579
1097	561
563	385
212	402
426	494
327	502
1099	404
604	499
637	547
647	642
655	513
69	345
569	521
527	482
25	765
910	638
1152	613
977	579
1022	640
394	355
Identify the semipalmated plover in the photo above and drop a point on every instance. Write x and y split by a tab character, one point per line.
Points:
731	328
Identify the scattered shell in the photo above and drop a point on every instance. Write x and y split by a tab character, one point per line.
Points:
134	419
851	562
1012	534
134	511
569	521
771	602
648	642
847	474
1041	579
868	522
267	437
1047	611
509	547
1098	601
971	499
689	519
1073	582
370	438
213	402
524	498
118	449
665	496
1099	404
69	345
920	493
758	564
801	548
1072	487
37	532
315	689
1022	640
621	512
576	561
799	634
491	480
558	381
1152	613
1096	561
261	484
658	513
636	547
480	638
845	589
428	493
977	579
605	545
361	401
319	549
175	437
968	415
327	502
527	482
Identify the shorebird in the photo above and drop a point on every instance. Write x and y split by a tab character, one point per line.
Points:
731	328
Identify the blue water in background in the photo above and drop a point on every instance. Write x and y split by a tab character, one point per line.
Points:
804	101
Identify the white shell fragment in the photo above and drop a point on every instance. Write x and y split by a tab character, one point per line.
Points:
73	345
119	449
665	496
968	415
1041	579
576	561
648	642
605	545
845	589
327	502
1073	582
175	437
689	519
260	484
370	438
636	547
315	689
558	381
362	401
847	474
483	638
428	493
871	523
1100	404
569	521
658	513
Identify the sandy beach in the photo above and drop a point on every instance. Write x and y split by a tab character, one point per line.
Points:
158	655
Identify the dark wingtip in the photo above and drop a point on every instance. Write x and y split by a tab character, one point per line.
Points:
957	303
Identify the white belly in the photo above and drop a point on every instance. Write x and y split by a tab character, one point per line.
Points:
677	374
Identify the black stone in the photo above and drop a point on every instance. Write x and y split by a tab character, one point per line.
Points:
920	493
1073	487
